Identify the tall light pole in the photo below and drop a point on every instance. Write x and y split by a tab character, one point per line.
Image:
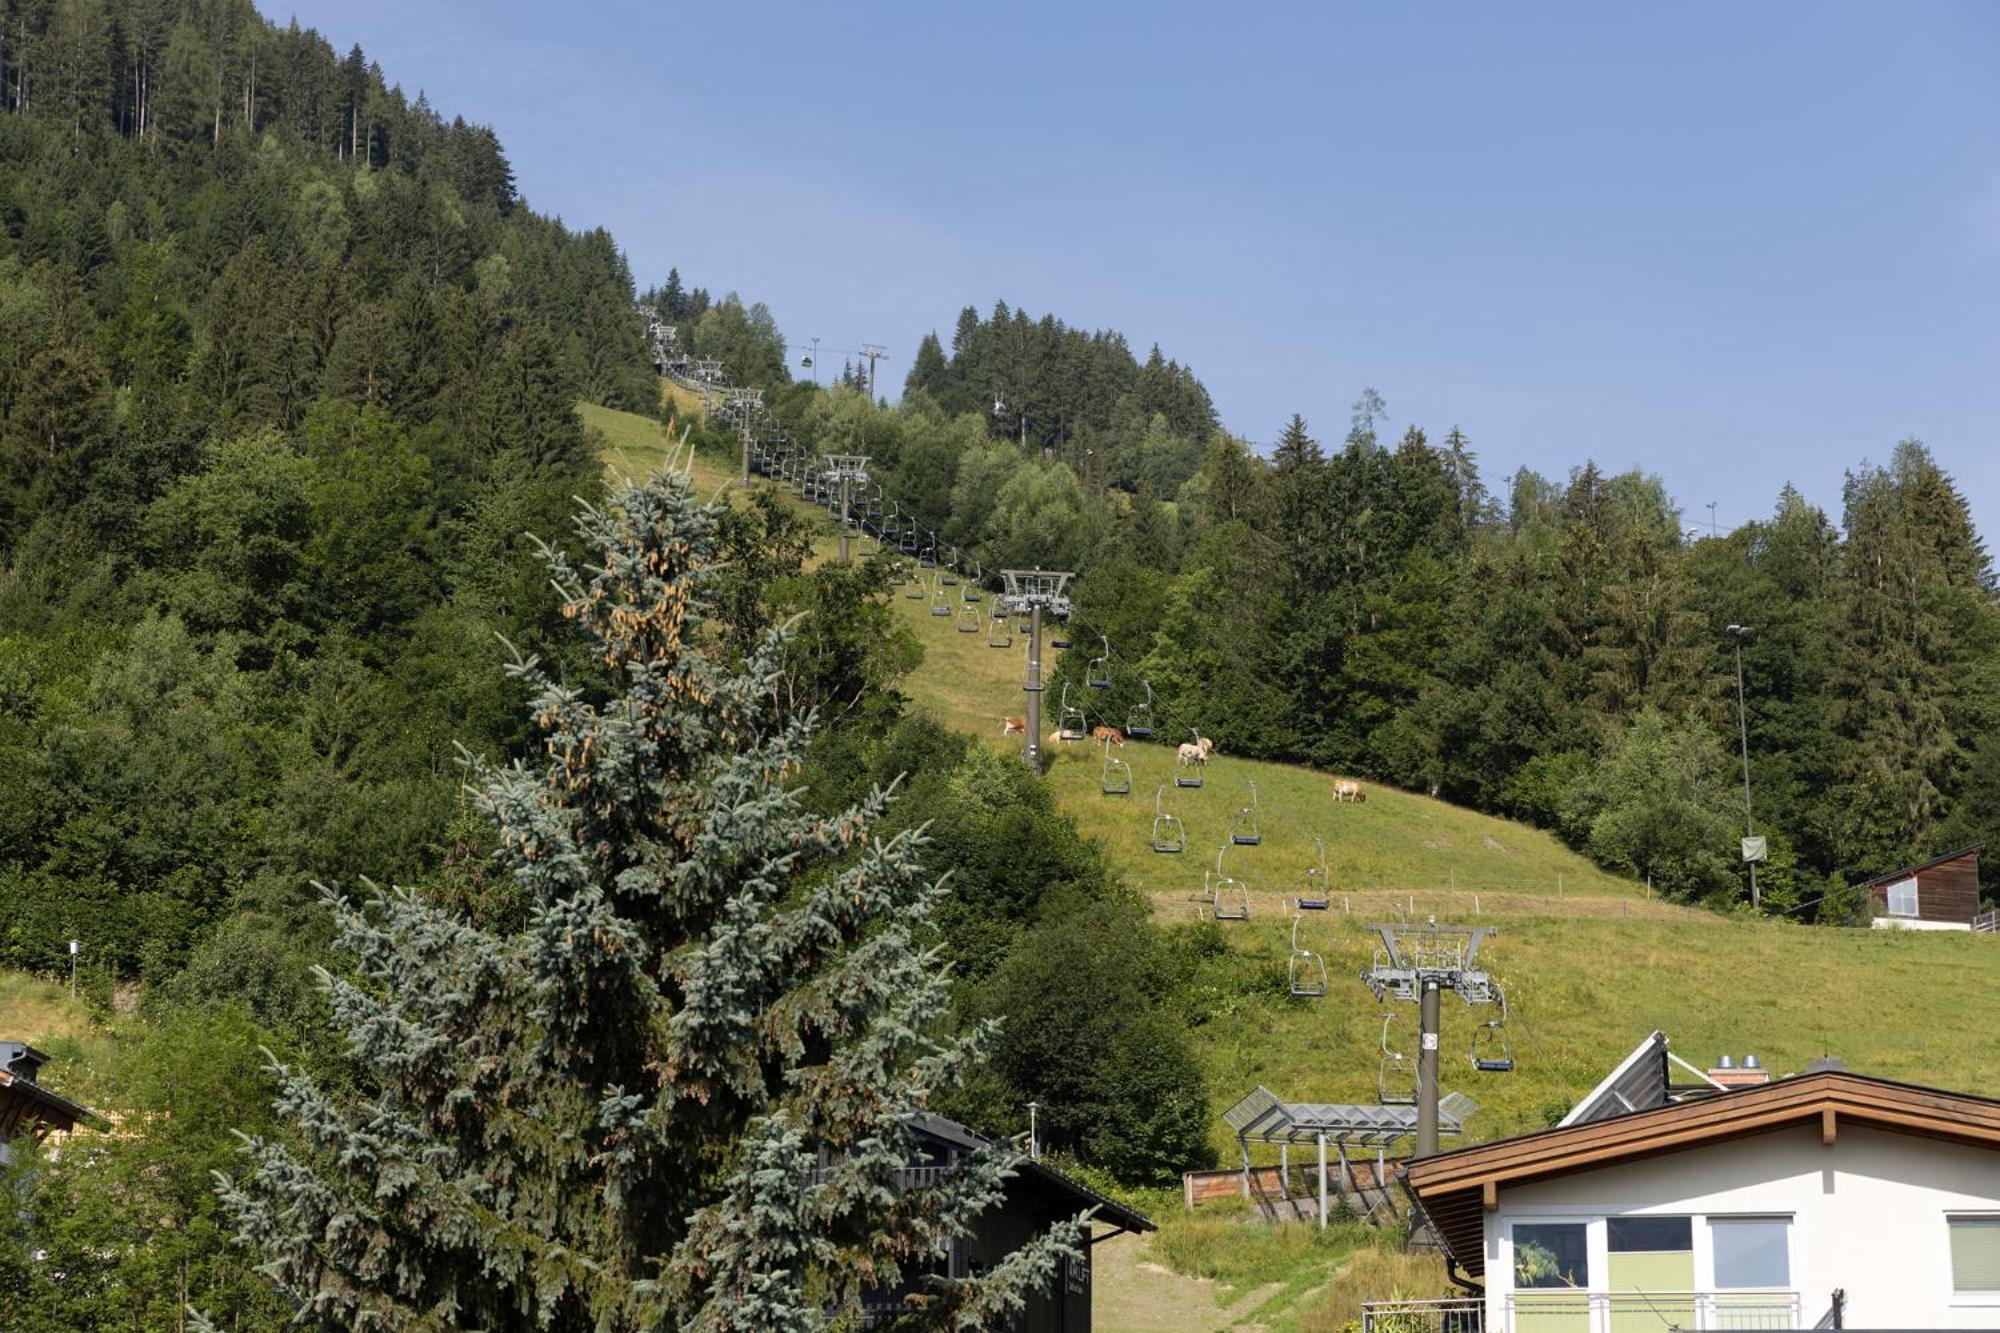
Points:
1739	633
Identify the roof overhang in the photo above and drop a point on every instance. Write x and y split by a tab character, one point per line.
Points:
1456	1190
24	1102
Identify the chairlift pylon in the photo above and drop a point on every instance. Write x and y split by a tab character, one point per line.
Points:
1490	1052
1116	779
1169	834
1098	676
1305	973
1315	884
1071	724
1395	1076
1243	829
1139	721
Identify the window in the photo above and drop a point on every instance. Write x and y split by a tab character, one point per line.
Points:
1550	1254
1648	1256
1975	1253
1752	1252
1640	1235
1903	897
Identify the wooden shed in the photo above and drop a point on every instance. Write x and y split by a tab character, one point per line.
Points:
1939	894
26	1107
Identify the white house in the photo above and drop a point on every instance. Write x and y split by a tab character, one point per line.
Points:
1823	1200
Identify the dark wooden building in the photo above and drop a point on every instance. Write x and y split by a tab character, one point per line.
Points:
1939	894
1037	1197
26	1107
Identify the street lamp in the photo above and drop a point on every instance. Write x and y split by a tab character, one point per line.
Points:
1739	633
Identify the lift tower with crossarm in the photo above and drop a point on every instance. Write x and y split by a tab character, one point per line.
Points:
1419	963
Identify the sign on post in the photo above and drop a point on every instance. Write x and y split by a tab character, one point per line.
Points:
1754	849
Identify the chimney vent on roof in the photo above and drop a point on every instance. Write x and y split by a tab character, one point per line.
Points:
1750	1062
1726	1062
1748	1074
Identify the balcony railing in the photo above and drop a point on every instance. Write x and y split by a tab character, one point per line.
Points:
1636	1312
1453	1314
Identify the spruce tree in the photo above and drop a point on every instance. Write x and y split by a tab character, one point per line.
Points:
681	1094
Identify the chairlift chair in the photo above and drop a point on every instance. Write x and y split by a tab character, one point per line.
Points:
1395	1076
914	588
1490	1052
1305	973
951	569
1243	829
997	635
1059	637
1169	834
970	590
1071	724
1116	779
940	605
1228	897
1315	885
968	620
929	558
1139	721
1098	677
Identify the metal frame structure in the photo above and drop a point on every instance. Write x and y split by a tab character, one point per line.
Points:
1217	883
1097	674
1315	882
1139	721
1034	593
968	618
940	604
1305	971
1261	1117
1243	830
1071	724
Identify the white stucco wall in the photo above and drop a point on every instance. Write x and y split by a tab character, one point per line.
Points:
1913	923
1868	1215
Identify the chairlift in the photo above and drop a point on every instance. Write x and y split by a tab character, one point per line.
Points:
1071	724
1190	774
970	591
1305	973
1315	885
940	604
1139	722
1243	829
1228	897
1059	637
1169	834
997	635
968	620
1395	1076
914	588
1490	1052
1116	779
1098	677
929	558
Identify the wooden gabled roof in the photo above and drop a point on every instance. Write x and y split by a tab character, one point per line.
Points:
1970	849
1455	1190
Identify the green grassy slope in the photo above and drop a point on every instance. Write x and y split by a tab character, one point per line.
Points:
1590	963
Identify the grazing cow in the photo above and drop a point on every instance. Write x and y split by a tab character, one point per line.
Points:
1012	725
1099	735
1195	751
1347	789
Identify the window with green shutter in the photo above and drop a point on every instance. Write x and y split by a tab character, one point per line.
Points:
1975	1253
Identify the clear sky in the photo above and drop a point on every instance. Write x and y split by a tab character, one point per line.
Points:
1733	244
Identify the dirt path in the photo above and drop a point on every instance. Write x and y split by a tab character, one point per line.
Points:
1131	1293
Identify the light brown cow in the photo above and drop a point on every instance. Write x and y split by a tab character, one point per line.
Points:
1011	725
1347	789
1196	751
1099	735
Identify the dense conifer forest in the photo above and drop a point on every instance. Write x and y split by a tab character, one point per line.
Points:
289	376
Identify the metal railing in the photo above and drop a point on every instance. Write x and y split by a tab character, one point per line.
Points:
1986	923
1631	1312
1453	1314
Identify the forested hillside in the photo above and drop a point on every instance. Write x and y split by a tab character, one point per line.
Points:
1558	652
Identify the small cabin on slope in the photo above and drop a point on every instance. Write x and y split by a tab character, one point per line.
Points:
1939	894
26	1107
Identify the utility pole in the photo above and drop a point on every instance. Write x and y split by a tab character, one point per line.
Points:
1739	633
874	352
812	362
844	469
1031	592
1420	963
1711	518
75	948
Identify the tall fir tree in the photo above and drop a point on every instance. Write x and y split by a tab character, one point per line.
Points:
682	1094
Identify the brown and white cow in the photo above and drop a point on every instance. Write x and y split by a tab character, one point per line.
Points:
1010	726
1099	735
1347	789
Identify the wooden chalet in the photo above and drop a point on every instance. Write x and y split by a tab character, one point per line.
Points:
1939	894
26	1107
1806	1202
1037	1197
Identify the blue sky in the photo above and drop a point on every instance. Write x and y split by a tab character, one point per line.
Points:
1734	244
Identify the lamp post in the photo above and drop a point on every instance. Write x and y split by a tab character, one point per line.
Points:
1739	633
